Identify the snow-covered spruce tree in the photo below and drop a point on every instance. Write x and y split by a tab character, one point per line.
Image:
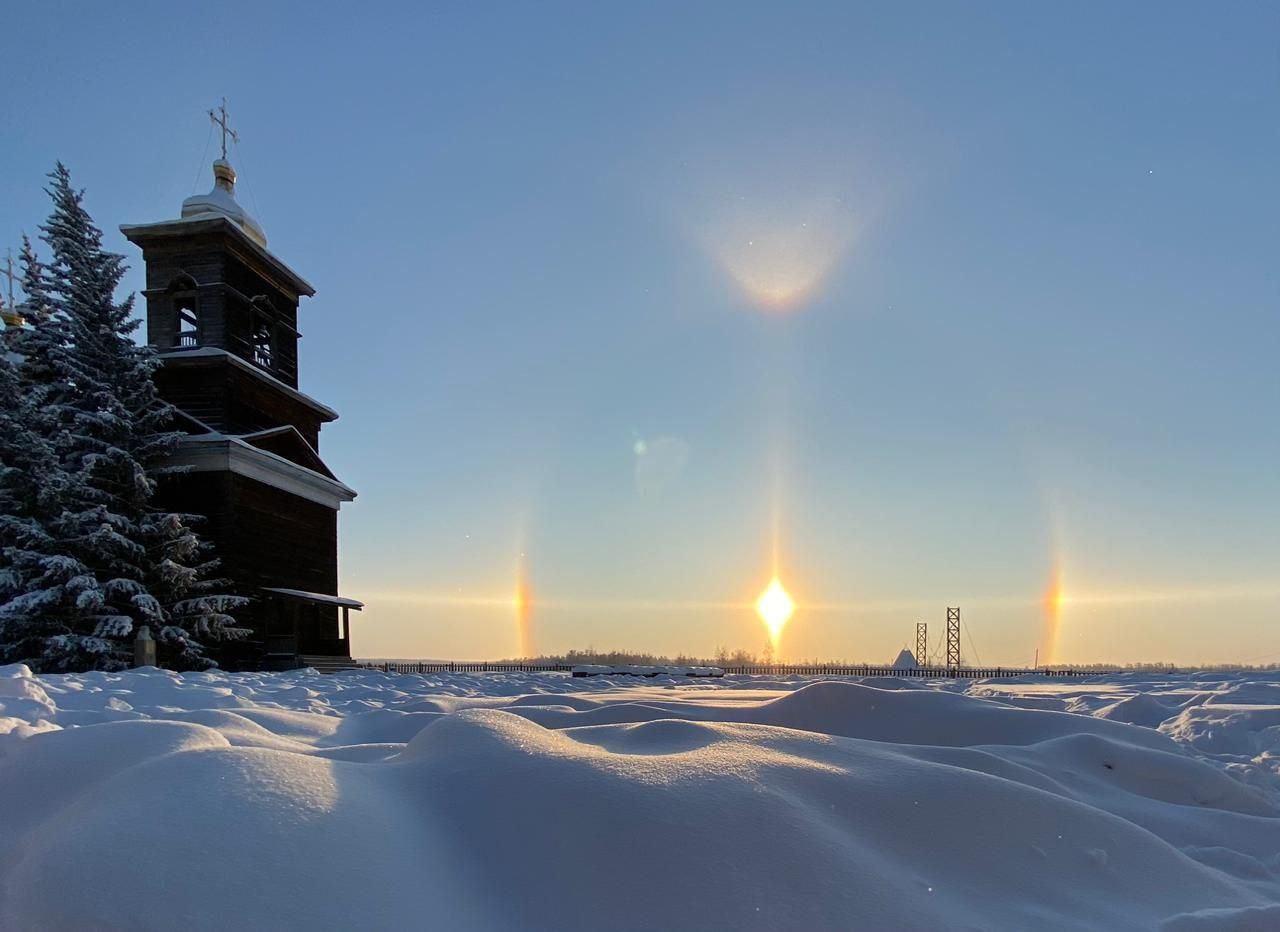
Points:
107	559
37	574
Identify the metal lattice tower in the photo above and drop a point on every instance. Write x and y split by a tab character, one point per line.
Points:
953	637
922	644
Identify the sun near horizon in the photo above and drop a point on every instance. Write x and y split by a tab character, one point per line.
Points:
775	608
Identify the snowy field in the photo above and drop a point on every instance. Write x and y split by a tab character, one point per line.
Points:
153	800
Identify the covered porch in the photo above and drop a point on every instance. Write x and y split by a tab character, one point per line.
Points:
307	629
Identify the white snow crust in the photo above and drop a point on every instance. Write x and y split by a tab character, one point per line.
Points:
155	800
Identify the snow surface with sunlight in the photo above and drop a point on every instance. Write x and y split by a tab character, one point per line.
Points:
154	800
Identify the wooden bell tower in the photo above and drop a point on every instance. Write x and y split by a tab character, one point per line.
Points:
222	312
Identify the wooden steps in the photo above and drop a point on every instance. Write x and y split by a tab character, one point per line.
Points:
327	663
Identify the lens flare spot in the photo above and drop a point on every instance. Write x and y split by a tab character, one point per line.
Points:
775	608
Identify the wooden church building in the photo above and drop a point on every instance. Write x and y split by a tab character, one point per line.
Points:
222	313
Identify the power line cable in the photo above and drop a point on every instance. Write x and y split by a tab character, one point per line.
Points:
971	645
195	185
257	211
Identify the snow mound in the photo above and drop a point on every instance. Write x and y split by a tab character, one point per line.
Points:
1142	709
530	801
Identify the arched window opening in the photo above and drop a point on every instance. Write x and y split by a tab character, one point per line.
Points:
262	332
186	311
188	325
262	340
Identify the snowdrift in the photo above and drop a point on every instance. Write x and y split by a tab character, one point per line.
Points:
150	800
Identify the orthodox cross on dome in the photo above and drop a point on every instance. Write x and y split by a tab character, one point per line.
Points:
219	118
8	274
9	308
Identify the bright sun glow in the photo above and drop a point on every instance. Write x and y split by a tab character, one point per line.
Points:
775	608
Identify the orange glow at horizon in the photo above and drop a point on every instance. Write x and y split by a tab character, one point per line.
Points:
775	608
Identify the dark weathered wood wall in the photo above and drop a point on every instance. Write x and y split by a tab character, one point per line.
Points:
227	280
233	401
264	537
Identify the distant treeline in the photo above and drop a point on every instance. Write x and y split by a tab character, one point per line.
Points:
723	658
744	658
1178	667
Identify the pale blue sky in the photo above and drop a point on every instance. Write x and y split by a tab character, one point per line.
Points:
1040	323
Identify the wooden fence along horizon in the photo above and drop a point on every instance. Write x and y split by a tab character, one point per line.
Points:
963	673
